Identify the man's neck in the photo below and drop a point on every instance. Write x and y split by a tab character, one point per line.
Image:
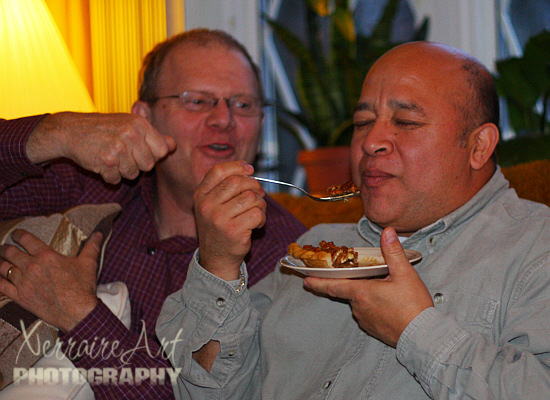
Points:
174	214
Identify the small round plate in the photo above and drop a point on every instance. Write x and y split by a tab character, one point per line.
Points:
354	272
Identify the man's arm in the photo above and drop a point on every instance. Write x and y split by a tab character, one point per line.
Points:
211	310
114	146
228	206
447	359
92	335
110	144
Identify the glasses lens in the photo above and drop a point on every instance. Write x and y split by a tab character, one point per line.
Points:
245	105
197	101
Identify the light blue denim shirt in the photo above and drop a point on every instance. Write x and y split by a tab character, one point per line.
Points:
487	266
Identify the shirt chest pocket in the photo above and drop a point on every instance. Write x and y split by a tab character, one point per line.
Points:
475	313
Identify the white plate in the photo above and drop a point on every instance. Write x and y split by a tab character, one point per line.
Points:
355	272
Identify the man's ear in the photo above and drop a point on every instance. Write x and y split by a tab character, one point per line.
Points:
143	109
483	141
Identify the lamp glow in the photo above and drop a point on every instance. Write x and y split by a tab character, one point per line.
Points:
37	73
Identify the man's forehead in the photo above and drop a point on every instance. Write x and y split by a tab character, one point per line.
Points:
393	104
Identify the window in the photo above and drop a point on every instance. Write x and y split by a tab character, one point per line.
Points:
280	68
518	20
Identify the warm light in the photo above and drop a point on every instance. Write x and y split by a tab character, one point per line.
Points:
123	31
37	73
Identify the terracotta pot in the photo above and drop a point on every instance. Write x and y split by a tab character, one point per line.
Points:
326	166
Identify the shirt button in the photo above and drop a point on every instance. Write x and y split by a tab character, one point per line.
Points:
439	298
231	353
151	250
327	384
220	302
433	240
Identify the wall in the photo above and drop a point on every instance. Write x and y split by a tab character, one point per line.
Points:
237	17
469	25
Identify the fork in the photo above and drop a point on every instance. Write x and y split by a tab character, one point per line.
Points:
328	198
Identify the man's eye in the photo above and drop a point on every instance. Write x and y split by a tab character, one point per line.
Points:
407	124
197	101
243	103
362	123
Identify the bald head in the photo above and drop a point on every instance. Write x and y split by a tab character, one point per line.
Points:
458	76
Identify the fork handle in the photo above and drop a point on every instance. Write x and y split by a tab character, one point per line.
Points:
274	181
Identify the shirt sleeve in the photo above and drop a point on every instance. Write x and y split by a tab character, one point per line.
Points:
209	308
451	362
14	163
129	365
27	189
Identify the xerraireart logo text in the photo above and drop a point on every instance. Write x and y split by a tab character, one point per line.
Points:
54	367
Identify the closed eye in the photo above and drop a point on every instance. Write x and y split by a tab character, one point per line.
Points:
362	123
407	124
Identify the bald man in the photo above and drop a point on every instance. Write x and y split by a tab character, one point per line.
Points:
471	320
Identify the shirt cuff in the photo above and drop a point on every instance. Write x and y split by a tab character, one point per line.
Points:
14	163
100	326
211	296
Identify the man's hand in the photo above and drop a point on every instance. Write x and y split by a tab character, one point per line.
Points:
58	289
114	146
382	307
229	205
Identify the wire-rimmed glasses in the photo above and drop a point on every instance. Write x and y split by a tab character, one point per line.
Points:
197	101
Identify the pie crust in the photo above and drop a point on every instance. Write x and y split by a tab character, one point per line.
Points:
327	255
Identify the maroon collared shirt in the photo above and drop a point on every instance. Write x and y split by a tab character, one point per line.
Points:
151	268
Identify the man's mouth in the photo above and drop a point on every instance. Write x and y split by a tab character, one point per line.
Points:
374	178
219	147
220	150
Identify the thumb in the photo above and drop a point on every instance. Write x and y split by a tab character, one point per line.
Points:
90	250
393	252
171	143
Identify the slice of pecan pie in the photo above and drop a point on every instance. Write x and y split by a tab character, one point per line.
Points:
327	255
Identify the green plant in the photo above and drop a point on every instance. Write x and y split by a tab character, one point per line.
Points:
524	82
329	81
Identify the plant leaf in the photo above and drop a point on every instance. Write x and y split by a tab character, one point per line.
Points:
343	21
320	7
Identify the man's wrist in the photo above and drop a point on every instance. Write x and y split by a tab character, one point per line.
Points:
82	311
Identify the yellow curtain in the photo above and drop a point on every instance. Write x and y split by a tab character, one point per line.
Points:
122	32
108	39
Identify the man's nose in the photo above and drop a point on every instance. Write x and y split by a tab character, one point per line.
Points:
379	140
220	115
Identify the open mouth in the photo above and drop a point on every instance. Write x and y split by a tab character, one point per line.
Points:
219	147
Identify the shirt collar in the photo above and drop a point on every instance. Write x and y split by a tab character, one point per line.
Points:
493	188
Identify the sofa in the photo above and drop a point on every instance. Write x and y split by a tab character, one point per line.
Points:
530	180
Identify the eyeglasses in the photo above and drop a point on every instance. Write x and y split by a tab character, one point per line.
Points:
243	105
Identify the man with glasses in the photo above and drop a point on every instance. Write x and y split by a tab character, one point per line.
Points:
200	104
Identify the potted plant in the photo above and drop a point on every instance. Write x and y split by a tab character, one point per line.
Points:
329	79
524	83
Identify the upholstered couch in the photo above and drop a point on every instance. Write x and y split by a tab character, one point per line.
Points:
530	180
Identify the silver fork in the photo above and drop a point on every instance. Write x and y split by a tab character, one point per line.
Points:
328	198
